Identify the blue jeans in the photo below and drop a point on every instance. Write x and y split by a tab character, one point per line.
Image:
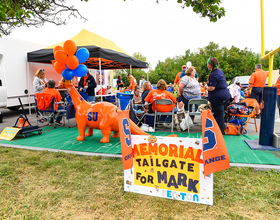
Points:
218	110
91	98
278	103
58	119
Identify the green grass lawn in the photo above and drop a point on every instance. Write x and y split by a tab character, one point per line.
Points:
46	185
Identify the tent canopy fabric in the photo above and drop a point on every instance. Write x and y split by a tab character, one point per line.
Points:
112	57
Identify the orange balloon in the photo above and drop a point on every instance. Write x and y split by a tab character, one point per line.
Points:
69	47
58	67
60	56
56	48
72	62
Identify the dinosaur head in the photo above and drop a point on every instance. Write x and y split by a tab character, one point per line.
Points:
65	84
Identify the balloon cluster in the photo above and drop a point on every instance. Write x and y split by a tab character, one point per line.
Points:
67	63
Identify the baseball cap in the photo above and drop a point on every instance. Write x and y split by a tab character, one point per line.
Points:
143	76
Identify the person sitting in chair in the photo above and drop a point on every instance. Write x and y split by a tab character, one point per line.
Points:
160	93
137	98
51	90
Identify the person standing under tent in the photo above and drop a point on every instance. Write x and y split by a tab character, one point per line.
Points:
141	82
39	82
132	82
119	82
87	84
257	82
218	94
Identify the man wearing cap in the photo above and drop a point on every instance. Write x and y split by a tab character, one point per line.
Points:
257	82
188	64
141	82
132	82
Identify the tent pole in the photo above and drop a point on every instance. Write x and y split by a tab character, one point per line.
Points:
28	84
100	76
130	70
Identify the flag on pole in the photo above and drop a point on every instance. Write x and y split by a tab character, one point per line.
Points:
125	136
215	154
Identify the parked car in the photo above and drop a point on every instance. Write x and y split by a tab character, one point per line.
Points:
244	81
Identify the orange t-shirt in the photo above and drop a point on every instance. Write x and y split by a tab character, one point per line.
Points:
278	85
55	93
177	79
258	78
132	80
160	94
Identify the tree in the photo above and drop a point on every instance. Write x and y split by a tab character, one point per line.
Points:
33	13
206	8
136	73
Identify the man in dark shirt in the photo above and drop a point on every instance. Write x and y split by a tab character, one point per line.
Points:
87	84
119	82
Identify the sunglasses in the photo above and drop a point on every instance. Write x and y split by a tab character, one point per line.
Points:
42	70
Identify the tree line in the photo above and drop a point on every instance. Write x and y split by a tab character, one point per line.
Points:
233	62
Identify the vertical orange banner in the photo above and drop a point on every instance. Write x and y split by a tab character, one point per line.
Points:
215	154
125	136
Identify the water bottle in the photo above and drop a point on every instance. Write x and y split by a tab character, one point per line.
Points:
193	108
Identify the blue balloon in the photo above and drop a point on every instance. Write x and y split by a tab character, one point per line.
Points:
82	55
67	74
80	71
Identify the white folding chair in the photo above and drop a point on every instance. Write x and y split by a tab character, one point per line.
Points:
195	102
167	102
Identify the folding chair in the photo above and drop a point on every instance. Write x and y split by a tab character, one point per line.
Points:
166	102
195	102
138	110
251	103
111	99
45	108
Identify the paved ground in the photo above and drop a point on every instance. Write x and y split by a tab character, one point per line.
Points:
9	118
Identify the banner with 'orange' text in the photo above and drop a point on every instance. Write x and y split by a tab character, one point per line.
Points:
215	154
125	137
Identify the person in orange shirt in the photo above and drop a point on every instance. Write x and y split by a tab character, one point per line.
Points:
160	93
177	78
257	82
132	82
57	97
278	95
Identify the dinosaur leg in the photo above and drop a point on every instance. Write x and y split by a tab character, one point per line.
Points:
82	128
106	134
89	132
115	134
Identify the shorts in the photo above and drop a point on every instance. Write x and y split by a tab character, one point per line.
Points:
257	93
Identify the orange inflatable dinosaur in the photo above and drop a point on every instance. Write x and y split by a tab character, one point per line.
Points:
101	116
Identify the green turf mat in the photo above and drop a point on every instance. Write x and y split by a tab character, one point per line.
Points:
64	138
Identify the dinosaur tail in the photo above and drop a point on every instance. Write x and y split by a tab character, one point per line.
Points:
134	129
